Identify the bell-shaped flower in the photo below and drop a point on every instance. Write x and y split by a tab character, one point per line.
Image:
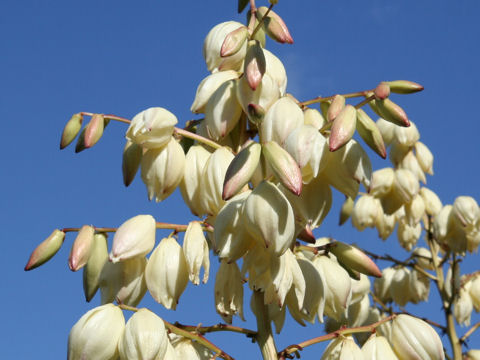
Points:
135	237
222	111
195	161
370	133
281	119
378	348
232	240
268	217
358	312
166	273
163	169
152	128
81	248
212	47
463	306
386	129
195	249
346	210
400	286
342	348
366	212
184	349
419	287
382	182
309	149
338	291
145	337
382	285
410	162
385	226
347	167
276	70
424	157
474	291
124	281
360	288
414	210
406	184
314	118
423	257
265	95
93	268
466	210
46	250
212	179
96	334
207	88
413	338
229	291
408	235
170	354
406	136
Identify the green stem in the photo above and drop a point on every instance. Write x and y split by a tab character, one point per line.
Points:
365	101
109	117
328	98
261	21
215	328
193	136
264	329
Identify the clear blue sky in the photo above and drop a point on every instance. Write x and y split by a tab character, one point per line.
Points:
61	57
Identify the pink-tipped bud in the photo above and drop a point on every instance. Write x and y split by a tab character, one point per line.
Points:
370	133
234	41
404	86
46	250
355	259
94	130
337	105
255	64
241	170
307	235
71	130
284	166
81	248
132	156
391	112
343	127
274	26
382	91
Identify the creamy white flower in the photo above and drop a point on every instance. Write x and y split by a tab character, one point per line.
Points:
276	70
280	120
265	95
145	337
433	205
229	291
135	237
382	182
93	268
96	334
386	225
410	162
406	184
400	286
366	212
466	210
408	235
184	350
424	157
474	291
463	305
166	274
378	348
208	86
343	348
406	136
195	248
152	128
382	285
419	287
314	118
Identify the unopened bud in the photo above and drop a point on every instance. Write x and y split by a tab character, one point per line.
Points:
241	170
132	156
93	268
392	112
355	259
274	25
254	65
46	250
346	210
337	105
284	166
343	127
314	118
370	133
71	130
234	41
404	86
80	145
94	130
81	248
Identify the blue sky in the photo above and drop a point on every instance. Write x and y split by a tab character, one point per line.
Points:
61	57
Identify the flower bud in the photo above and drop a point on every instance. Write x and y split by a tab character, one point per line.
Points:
145	337
314	118
268	217
378	348
80	145
222	111
274	25
166	273
162	170
355	259
386	129
152	128
195	249
283	166
229	291
234	41
132	156
195	161
382	182
276	70
424	157
366	212
232	241
135	237
382	91
71	130
212	47
337	105
346	210
466	210
207	88
370	133
96	334
385	225
212	179
94	130
413	338
81	248
407	136
342	348
390	111
93	268
123	282
406	184
46	250
343	127
433	205
254	65
241	169
423	258
404	87
283	117
265	95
